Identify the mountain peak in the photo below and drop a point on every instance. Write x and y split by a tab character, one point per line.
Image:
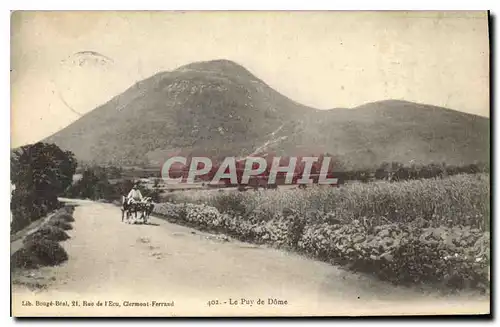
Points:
215	63
223	66
216	108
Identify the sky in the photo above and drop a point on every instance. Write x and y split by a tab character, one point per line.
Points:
320	59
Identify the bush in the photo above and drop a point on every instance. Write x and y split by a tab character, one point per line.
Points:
28	206
64	217
19	221
56	222
453	257
48	232
24	259
39	252
69	209
230	202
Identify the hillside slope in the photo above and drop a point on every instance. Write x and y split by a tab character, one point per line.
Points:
219	108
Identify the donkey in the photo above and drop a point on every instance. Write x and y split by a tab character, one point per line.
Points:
128	209
147	207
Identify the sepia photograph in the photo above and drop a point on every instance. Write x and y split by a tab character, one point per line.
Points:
250	163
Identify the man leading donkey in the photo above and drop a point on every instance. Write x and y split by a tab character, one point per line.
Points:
130	202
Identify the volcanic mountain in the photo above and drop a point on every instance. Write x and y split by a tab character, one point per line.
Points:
218	108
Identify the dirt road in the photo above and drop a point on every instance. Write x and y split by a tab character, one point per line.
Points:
183	269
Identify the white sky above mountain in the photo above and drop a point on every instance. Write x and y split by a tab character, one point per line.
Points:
320	59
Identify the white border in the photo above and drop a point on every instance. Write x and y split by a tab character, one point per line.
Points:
189	5
251	5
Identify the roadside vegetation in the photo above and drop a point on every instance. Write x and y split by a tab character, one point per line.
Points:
407	225
42	248
95	184
420	231
39	173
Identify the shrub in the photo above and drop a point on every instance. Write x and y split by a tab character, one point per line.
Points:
69	209
39	252
48	232
28	206
231	203
56	222
64	217
24	259
454	257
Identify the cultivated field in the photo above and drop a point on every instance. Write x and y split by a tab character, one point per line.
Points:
458	200
433	230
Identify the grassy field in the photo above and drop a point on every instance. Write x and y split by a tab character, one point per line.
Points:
458	200
423	231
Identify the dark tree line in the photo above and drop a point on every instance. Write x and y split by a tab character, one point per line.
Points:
39	172
95	185
393	171
396	171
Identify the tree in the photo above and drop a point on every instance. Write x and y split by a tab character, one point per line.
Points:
95	185
40	172
155	195
383	171
42	167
